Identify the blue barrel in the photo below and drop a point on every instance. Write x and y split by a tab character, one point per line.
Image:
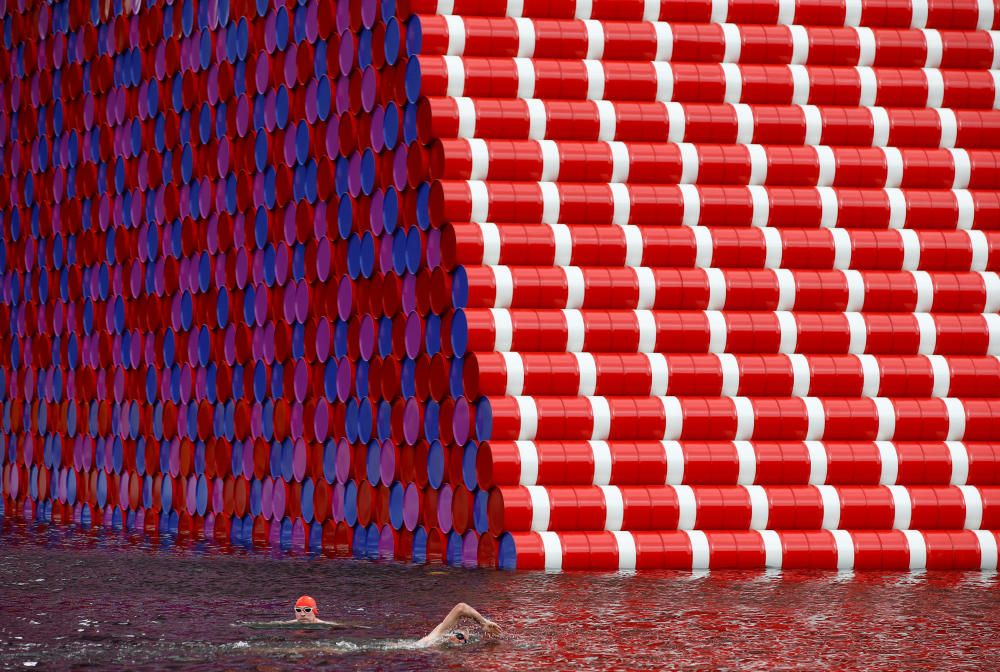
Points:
399	252
85	517
236	531
469	454
408	378
383	420
360	545
167	493
351	420
330	371
330	461
288	460
436	460
410	123
414	250
173	522
455	383
353	255
390	210
147	491
480	512
308	490
432	414
453	551
364	48
286	534
236	459
102	486
274	467
351	503
420	545
372	537
361	383
367	252
202	495
246	533
256	490
396	505
366	420
340	339
367	171
315	539
432	334
385	336
373	463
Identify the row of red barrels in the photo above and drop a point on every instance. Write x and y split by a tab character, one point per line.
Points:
521	508
957	14
692	550
720	42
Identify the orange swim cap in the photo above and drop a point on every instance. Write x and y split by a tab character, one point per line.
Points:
306	601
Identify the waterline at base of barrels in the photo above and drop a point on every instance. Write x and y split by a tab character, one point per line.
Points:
575	284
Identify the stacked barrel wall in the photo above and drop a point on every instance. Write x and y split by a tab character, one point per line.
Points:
583	284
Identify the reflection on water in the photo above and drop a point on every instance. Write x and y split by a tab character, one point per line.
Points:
82	600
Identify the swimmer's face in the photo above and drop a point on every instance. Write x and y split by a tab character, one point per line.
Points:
458	638
305	614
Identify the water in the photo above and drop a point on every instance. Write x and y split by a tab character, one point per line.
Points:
92	601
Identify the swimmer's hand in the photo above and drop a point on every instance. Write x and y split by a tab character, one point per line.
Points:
490	628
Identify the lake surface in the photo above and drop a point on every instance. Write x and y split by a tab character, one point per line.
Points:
87	600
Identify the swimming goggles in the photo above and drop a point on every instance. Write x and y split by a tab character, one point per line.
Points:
303	610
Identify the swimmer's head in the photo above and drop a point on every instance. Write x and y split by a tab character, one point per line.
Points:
305	610
458	638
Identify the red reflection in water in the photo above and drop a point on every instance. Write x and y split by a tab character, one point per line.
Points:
86	599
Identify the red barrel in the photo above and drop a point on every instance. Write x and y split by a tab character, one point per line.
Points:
440	117
613	374
700	550
804	507
502	330
696	205
720	247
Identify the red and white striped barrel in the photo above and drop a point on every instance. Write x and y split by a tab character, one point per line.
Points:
661	81
960	14
647	288
698	205
500	463
872	126
689	247
752	549
719	374
699	42
741	507
504	330
688	163
725	418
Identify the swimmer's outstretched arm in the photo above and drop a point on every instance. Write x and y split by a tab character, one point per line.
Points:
454	616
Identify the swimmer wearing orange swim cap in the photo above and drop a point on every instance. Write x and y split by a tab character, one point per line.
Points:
306	610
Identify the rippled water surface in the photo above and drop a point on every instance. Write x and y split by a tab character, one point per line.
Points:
92	601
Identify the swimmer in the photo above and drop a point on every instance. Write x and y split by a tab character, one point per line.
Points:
446	633
306	616
307	613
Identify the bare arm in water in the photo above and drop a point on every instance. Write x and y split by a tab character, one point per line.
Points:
451	620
